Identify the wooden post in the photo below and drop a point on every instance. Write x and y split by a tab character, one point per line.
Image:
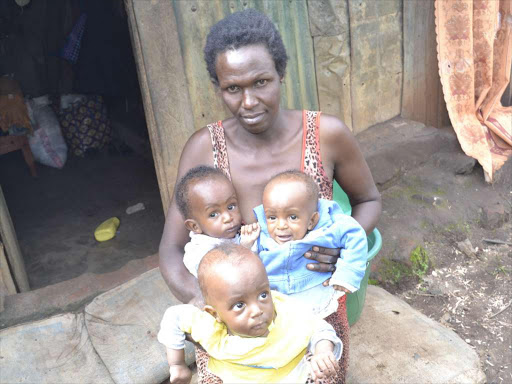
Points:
422	94
12	247
163	84
7	286
7	283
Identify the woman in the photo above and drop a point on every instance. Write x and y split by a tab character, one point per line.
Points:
246	60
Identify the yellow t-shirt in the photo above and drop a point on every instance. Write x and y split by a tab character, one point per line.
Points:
260	359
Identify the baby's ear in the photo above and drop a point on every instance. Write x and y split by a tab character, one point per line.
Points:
313	221
213	312
193	226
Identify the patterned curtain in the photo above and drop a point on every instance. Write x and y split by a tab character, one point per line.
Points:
474	45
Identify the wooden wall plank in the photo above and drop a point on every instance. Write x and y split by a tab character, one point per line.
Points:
422	95
7	286
163	85
12	248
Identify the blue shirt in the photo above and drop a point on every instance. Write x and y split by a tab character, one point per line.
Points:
286	264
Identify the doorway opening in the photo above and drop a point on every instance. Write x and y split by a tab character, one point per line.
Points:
56	213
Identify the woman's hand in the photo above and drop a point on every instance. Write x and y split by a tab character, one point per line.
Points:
326	257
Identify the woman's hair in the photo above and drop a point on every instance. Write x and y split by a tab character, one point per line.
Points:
200	173
240	29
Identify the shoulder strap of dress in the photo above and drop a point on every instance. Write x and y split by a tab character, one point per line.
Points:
220	151
310	138
311	163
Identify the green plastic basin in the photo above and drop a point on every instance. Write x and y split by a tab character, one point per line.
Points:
355	301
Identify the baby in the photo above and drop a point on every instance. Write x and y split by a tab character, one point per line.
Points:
292	220
208	203
252	334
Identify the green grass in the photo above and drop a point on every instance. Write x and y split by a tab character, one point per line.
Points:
393	271
502	269
420	261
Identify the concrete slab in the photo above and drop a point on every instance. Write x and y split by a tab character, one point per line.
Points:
54	350
123	325
398	145
394	343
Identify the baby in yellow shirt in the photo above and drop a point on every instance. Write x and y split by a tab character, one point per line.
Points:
252	334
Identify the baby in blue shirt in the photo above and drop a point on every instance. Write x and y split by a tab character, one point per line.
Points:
291	220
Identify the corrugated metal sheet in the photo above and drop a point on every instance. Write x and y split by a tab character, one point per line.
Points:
194	19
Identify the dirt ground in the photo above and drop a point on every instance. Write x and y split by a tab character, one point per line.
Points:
435	257
56	213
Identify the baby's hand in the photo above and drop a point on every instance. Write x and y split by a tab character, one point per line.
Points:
323	365
180	374
336	287
249	234
341	288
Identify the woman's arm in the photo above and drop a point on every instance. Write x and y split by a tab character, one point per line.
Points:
342	156
184	286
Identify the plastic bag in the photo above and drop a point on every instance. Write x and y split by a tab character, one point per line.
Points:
47	144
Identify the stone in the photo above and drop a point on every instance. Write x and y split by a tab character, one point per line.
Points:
503	176
54	350
457	162
467	248
423	198
395	146
493	217
394	343
123	324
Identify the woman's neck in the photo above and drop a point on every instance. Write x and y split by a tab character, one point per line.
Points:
279	132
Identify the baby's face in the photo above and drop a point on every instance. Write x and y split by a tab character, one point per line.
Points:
241	297
289	212
214	207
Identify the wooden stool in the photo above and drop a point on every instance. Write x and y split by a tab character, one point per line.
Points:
13	143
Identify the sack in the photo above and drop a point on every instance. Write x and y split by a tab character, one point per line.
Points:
47	144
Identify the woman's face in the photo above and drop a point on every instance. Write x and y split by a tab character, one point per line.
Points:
250	86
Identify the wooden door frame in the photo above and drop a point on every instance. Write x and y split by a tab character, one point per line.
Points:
163	85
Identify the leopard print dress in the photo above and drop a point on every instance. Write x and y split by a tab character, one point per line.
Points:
311	164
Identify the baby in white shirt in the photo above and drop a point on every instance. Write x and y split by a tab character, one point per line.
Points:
208	203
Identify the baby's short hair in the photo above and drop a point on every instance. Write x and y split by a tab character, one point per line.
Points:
233	254
200	173
293	175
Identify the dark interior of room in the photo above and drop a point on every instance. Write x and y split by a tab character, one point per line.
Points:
76	57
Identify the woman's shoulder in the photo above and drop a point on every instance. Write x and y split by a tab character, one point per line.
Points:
333	127
197	149
199	139
334	133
